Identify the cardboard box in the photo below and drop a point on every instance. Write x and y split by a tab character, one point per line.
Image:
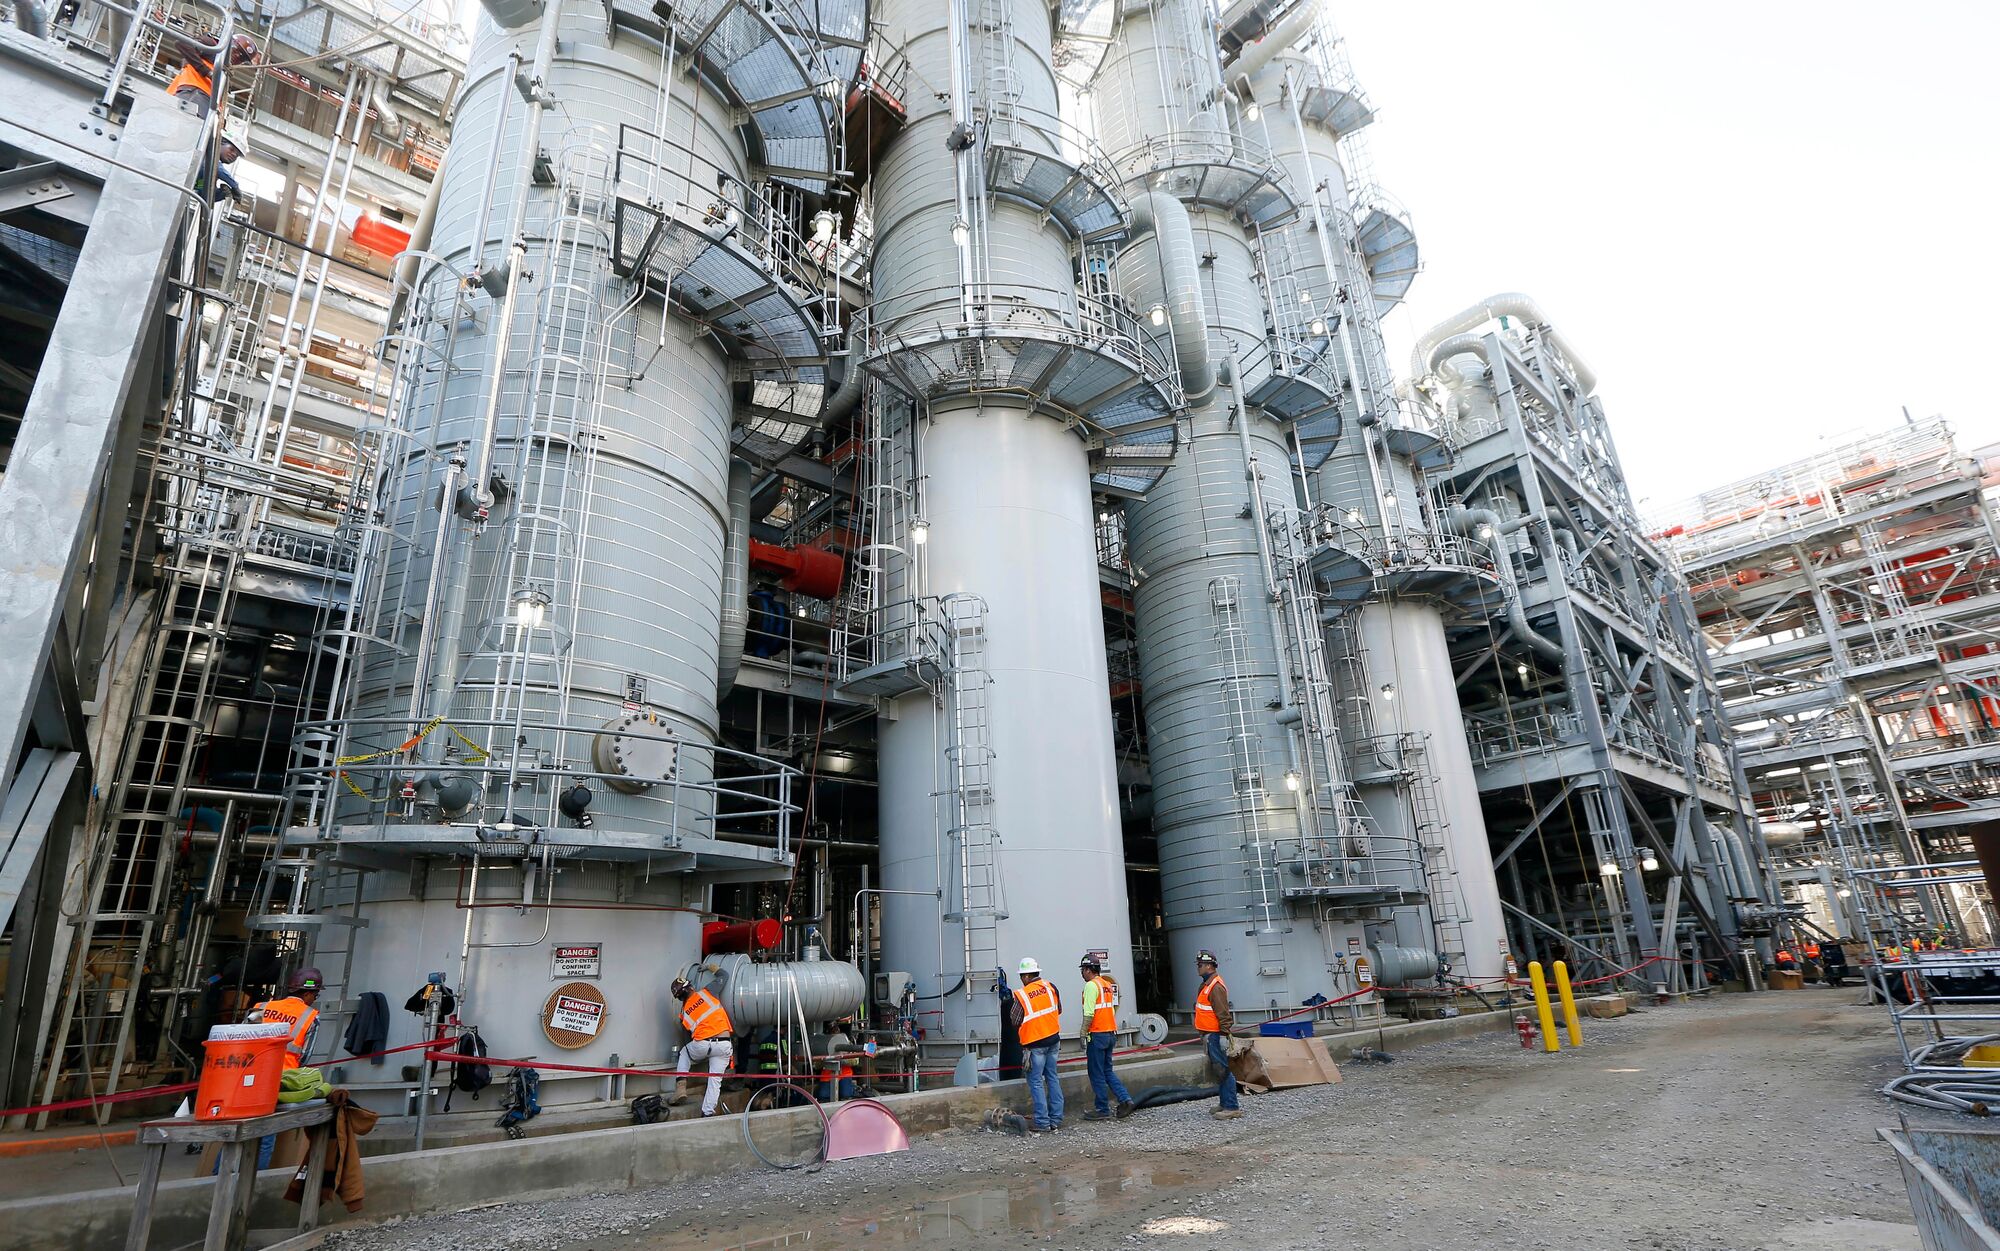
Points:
1282	1063
1605	1006
1779	979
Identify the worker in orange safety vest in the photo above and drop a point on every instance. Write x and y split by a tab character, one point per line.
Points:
195	83
710	1038
1212	1019
1036	1013
295	1010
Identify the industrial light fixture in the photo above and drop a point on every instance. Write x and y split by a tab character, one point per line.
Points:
1608	869
802	610
961	231
1157	315
1253	112
1842	893
1353	516
1651	863
1521	671
1388	499
1388	690
1291	779
1485	531
920	532
531	607
1319	325
824	222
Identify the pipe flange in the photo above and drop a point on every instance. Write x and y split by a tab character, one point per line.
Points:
635	752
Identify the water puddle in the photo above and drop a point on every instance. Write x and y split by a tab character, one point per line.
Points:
1029	1206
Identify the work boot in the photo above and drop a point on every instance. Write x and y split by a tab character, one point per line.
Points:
1095	1115
679	1096
1227	1114
1125	1109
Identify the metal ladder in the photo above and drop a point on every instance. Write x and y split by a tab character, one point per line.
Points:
981	903
1427	820
133	854
1246	774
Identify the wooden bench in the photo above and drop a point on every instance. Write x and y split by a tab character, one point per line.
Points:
236	1172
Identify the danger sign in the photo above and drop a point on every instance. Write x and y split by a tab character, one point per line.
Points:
578	1016
576	960
573	1015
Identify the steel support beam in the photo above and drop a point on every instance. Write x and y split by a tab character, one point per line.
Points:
56	474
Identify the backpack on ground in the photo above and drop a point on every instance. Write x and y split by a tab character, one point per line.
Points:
523	1102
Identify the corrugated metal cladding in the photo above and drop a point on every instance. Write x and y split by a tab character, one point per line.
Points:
1007	498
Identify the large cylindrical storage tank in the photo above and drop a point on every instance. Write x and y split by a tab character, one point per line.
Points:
576	626
1209	654
624	541
1407	651
1006	497
1210	687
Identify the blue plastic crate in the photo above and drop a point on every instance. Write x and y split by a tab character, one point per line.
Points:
1286	1029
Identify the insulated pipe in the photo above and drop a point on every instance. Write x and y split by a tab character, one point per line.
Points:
1254	56
389	119
32	18
1465	521
765	994
1456	345
848	394
404	273
1166	218
735	580
1506	304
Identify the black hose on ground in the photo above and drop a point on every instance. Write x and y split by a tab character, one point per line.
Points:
1160	1096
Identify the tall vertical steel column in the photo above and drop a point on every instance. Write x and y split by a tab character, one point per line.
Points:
1354	259
539	609
977	321
1263	851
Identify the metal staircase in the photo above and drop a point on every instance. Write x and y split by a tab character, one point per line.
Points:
134	852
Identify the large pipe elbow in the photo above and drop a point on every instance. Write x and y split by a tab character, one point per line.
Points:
1166	219
31	18
1252	57
1467	521
735	580
1505	304
847	396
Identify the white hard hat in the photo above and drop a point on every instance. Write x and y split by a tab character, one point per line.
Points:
1029	965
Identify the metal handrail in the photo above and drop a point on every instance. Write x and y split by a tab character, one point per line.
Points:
374	748
1108	327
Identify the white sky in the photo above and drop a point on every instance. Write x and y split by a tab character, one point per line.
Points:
1763	222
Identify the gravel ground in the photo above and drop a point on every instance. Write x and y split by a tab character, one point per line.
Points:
1746	1122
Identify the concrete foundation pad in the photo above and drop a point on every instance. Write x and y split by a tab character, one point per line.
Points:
597	1160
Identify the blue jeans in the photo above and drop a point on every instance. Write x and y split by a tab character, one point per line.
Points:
1104	1081
824	1091
1219	1057
1044	1086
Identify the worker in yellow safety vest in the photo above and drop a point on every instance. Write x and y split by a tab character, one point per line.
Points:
1100	1023
710	1038
1036	1014
1212	1020
295	1010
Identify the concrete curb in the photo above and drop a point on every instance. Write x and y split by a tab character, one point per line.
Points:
592	1161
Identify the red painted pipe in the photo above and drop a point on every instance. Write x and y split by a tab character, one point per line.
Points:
745	936
810	571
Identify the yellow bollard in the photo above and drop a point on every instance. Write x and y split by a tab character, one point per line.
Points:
1549	1040
1570	1023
